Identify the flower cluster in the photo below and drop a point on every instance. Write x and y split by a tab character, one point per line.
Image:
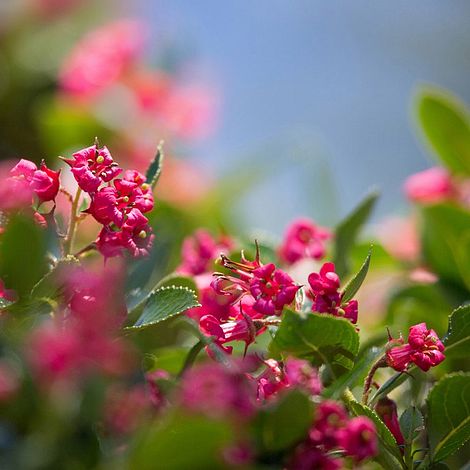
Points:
325	295
332	430
116	203
424	348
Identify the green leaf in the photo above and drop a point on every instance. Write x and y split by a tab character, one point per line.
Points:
51	284
355	376
446	242
347	231
321	338
449	415
411	423
391	384
445	125
22	254
182	441
457	339
177	280
155	168
284	422
356	282
165	303
389	453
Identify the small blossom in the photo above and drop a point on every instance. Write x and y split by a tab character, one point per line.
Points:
303	239
92	166
157	397
308	457
7	294
359	438
326	297
424	348
218	391
271	381
330	418
109	243
429	186
143	198
200	251
300	373
387	410
272	289
137	234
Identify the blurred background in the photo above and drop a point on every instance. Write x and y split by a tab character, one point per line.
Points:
306	104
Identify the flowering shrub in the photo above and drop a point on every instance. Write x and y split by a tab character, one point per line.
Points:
138	334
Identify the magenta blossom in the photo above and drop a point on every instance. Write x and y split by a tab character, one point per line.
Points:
424	348
43	182
218	391
300	373
387	410
93	166
240	328
308	457
7	294
200	251
143	197
136	235
429	186
271	381
303	239
330	418
326	296
359	438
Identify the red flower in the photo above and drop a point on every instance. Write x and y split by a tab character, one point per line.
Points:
330	418
429	186
303	239
387	410
92	166
424	348
326	297
137	234
359	438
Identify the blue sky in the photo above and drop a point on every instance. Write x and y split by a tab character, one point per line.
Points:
313	87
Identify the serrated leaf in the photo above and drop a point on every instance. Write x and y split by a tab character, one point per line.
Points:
165	303
284	422
445	125
411	423
356	282
155	168
389	453
177	280
321	338
449	415
356	375
457	339
347	231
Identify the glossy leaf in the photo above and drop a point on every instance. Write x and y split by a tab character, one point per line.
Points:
411	423
321	338
155	168
449	415
457	339
356	282
165	303
446	127
348	230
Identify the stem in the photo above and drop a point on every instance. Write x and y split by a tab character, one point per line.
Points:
86	249
370	376
68	244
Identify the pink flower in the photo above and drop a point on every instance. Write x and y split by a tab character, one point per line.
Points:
240	329
218	391
101	58
157	396
308	457
143	197
387	410
43	182
326	297
137	234
109	243
429	186
200	251
330	418
300	373
7	294
104	206
303	239
272	289
359	438
424	348
92	166
271	381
